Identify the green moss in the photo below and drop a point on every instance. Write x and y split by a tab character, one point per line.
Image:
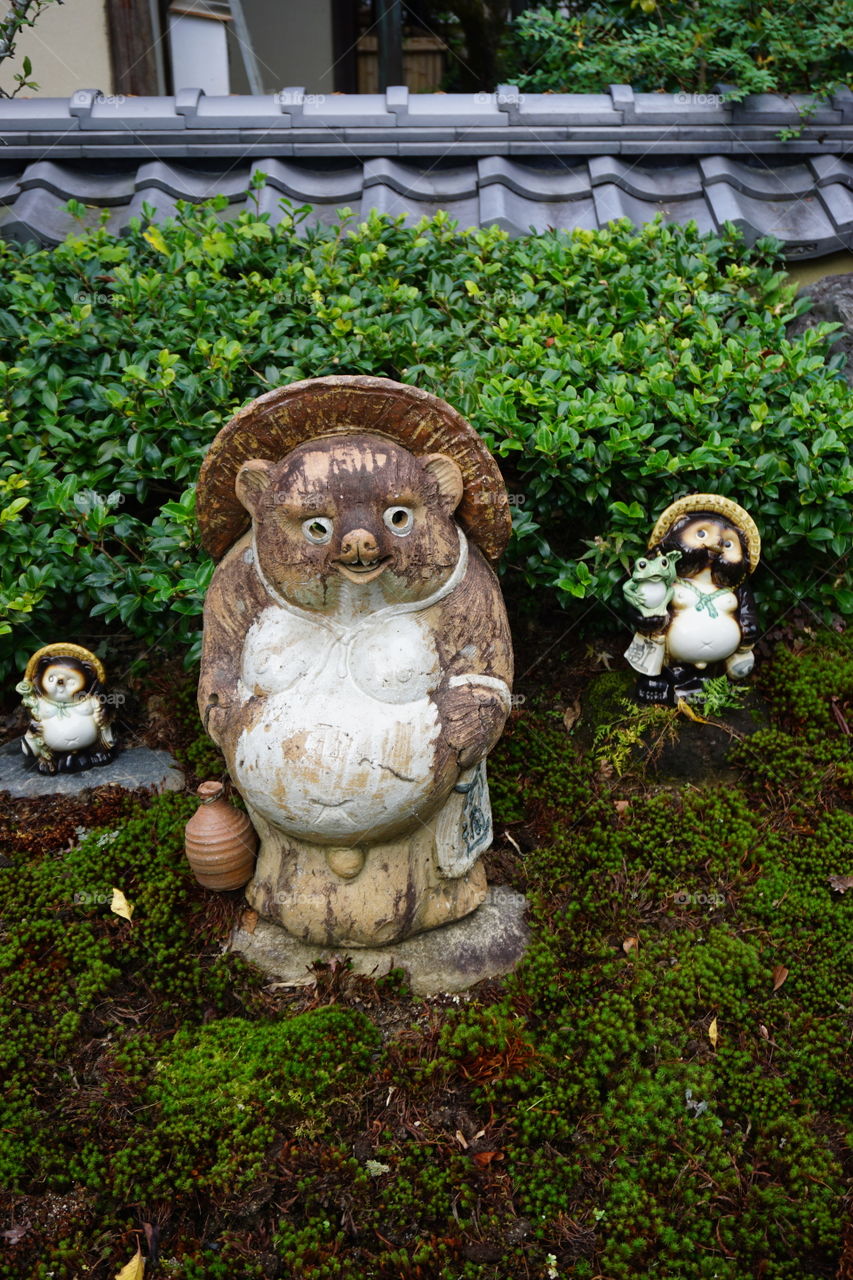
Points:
663	1087
218	1093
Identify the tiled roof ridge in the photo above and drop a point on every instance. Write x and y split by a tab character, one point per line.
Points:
398	123
808	204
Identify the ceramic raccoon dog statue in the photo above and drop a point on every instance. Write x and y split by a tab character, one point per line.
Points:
356	673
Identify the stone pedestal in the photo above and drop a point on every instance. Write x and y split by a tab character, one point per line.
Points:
485	944
133	768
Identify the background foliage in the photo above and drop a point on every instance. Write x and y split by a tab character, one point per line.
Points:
611	372
758	48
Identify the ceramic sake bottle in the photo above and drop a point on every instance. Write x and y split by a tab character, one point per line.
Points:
220	841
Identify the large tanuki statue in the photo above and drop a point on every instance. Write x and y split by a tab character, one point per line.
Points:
357	661
692	608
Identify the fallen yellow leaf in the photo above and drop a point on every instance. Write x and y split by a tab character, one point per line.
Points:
713	1034
133	1270
631	944
120	905
686	710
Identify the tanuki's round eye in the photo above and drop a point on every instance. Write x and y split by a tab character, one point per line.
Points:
727	545
318	529
701	533
399	520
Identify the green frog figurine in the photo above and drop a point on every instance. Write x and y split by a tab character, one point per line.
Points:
651	585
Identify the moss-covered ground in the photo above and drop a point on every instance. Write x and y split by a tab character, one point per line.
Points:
662	1089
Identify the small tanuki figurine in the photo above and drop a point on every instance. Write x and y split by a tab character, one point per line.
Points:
357	664
64	692
692	608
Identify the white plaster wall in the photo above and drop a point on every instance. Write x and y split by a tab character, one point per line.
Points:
68	47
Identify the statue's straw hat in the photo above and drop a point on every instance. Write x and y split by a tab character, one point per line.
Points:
717	505
274	424
65	651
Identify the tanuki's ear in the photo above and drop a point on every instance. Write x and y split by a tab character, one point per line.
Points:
252	480
447	476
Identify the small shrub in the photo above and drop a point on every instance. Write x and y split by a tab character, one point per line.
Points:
661	45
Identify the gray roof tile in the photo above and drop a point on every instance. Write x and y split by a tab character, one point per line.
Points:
39	215
753	180
838	201
435	185
39	114
189	184
842	101
246	111
802	223
163	204
319	186
518	215
67	182
832	169
453	109
612	202
338	111
680	108
534	182
384	199
646	183
557	108
783	109
118	113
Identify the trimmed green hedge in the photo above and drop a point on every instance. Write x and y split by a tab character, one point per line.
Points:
611	371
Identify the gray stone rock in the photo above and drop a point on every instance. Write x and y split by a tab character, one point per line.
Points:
132	768
832	300
485	944
700	753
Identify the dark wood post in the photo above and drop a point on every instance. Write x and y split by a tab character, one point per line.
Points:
389	29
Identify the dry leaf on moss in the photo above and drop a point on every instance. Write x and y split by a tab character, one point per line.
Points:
571	715
133	1270
841	883
686	710
713	1033
483	1158
120	905
780	973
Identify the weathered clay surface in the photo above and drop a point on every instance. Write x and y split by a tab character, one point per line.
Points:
133	768
274	424
355	674
486	944
220	841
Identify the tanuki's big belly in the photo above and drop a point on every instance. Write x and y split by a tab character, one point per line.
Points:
339	768
694	636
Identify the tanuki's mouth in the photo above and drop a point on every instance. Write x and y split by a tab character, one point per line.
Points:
362	571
